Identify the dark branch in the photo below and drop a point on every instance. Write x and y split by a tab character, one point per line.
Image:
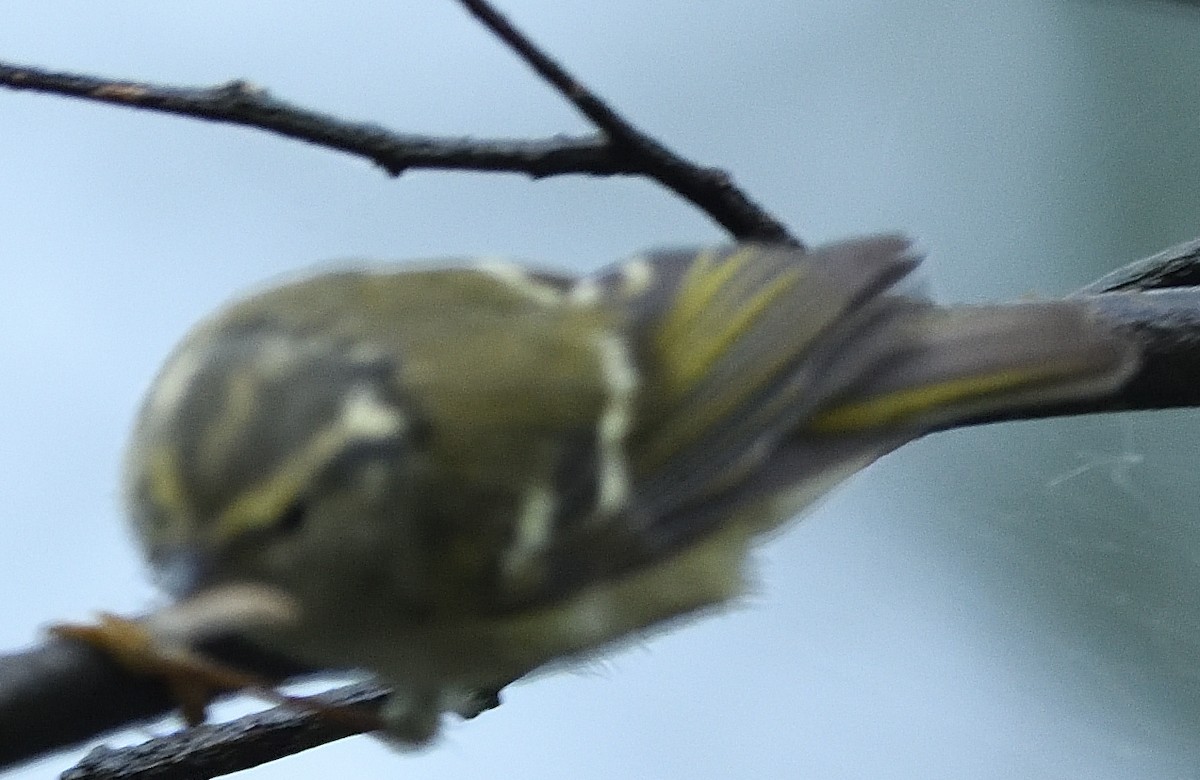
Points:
1155	299
242	103
1178	266
60	694
221	748
589	104
709	188
1167	325
63	693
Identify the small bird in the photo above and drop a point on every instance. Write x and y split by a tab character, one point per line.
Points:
454	474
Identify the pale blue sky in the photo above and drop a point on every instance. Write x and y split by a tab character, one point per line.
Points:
1016	601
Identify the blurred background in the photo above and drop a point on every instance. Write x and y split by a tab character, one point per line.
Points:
1011	601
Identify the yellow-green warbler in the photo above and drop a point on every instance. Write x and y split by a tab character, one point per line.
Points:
454	474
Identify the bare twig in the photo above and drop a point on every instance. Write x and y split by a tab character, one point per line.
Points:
218	749
241	103
618	150
710	189
589	104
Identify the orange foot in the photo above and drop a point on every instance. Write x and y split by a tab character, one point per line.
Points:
193	680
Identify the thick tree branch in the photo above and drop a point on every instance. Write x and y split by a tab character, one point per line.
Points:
62	693
1178	266
1167	325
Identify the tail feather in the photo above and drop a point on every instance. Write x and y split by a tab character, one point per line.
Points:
759	354
970	361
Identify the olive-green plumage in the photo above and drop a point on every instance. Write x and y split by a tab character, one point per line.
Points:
460	474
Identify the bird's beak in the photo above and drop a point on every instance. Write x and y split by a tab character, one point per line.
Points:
181	571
